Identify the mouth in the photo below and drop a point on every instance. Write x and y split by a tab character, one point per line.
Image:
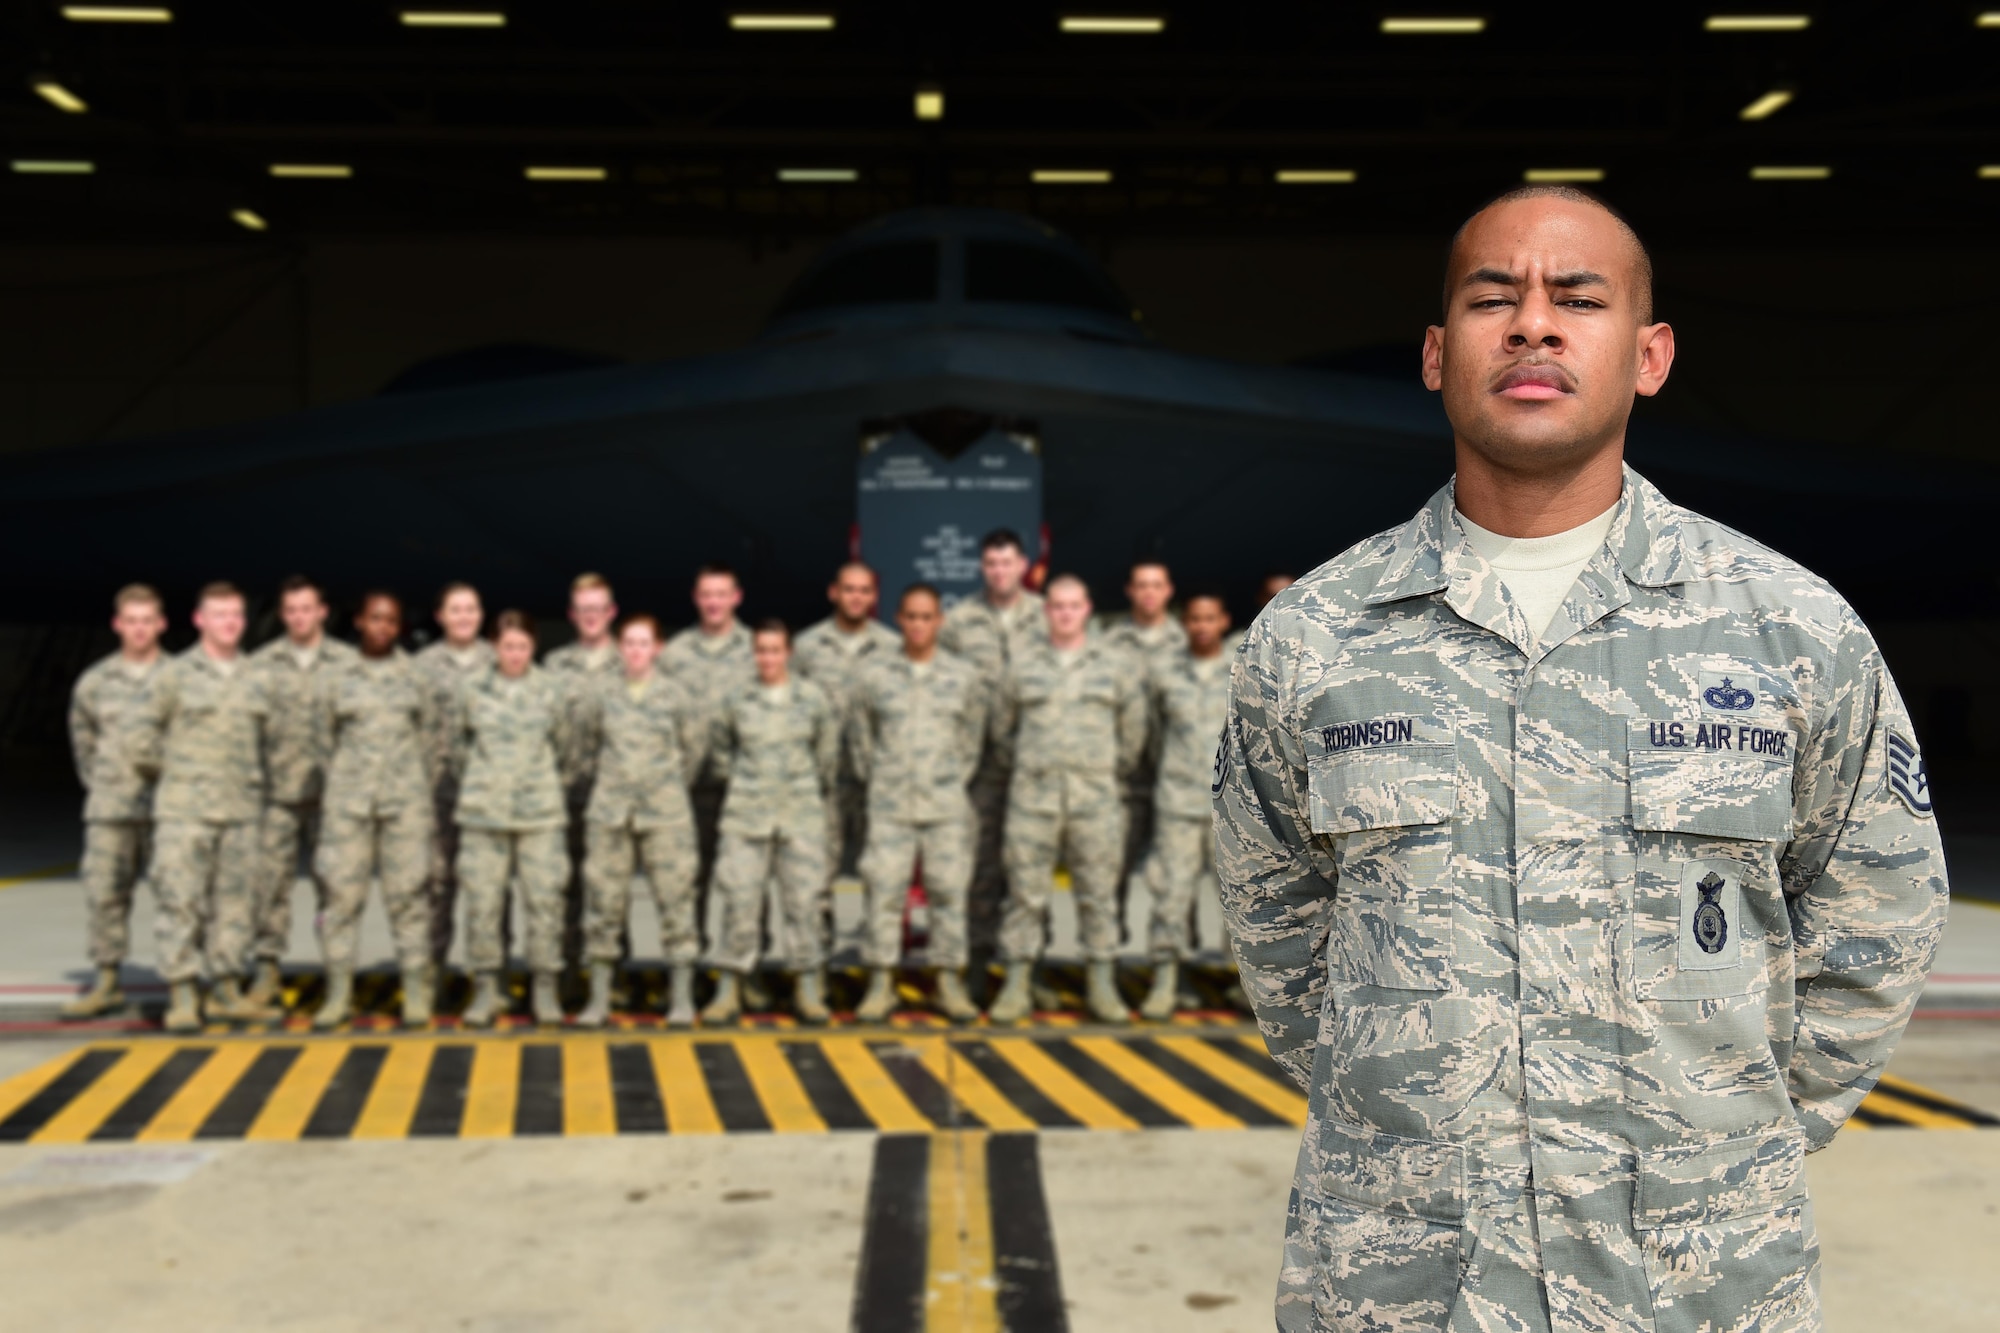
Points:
1530	383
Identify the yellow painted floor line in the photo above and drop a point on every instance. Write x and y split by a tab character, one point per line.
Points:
291	1103
1882	1102
963	1079
778	1089
492	1090
22	1088
960	1294
1273	1097
197	1099
392	1102
74	1123
1893	1085
586	1074
1059	1085
46	872
1156	1083
881	1100
690	1110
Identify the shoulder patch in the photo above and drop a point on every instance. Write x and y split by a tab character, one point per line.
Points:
1908	777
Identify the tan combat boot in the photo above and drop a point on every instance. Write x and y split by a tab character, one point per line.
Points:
809	997
1016	997
419	986
680	996
547	1002
228	1003
952	1001
727	1006
880	1001
598	1008
486	1002
1105	1003
183	1008
105	994
267	983
1160	999
338	1006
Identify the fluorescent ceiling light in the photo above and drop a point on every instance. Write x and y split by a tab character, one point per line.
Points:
930	104
1562	175
818	175
1758	22
45	167
1991	173
1432	26
247	220
59	97
781	22
453	18
312	171
1766	105
1315	176
566	173
1790	173
1990	19
118	14
1072	178
1125	24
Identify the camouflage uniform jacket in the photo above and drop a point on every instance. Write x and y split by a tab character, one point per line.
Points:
1190	698
915	737
1071	725
448	671
645	746
780	747
105	710
511	732
1577	944
1151	646
991	639
385	737
202	731
579	669
834	660
711	668
297	697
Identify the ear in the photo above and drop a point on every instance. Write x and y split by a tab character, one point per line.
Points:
1434	358
1656	358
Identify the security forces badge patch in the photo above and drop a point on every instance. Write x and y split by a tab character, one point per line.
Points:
1711	915
1725	693
1908	777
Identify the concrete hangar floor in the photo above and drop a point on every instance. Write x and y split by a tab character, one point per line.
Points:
1053	1176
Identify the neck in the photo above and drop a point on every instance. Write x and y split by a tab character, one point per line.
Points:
460	645
637	677
1539	503
1067	643
310	641
846	626
597	644
718	629
1145	621
368	650
513	675
782	678
218	651
1208	651
999	602
923	654
140	657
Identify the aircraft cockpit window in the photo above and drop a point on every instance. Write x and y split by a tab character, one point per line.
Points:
1003	271
877	275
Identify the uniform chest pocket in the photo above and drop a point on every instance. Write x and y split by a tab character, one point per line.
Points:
1387	813
1708	824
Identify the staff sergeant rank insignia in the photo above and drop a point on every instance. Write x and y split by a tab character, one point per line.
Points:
1908	777
1711	927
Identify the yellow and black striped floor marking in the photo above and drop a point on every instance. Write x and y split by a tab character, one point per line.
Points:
282	1088
958	1238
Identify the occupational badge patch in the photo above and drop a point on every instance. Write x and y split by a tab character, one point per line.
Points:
1724	693
1711	916
1908	777
1221	762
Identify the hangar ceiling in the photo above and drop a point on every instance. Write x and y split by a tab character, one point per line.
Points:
639	117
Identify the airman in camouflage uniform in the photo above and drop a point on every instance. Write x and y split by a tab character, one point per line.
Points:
990	632
1190	698
832	654
104	712
201	730
645	742
1578	937
781	742
1150	635
711	660
1072	722
386	741
917	727
590	660
295	670
512	725
450	665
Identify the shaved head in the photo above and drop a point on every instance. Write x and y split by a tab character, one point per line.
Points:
1642	261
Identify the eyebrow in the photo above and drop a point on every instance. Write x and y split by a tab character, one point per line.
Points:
1481	277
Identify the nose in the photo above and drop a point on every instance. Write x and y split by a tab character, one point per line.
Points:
1534	323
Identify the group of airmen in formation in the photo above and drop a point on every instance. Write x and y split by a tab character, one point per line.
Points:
973	752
